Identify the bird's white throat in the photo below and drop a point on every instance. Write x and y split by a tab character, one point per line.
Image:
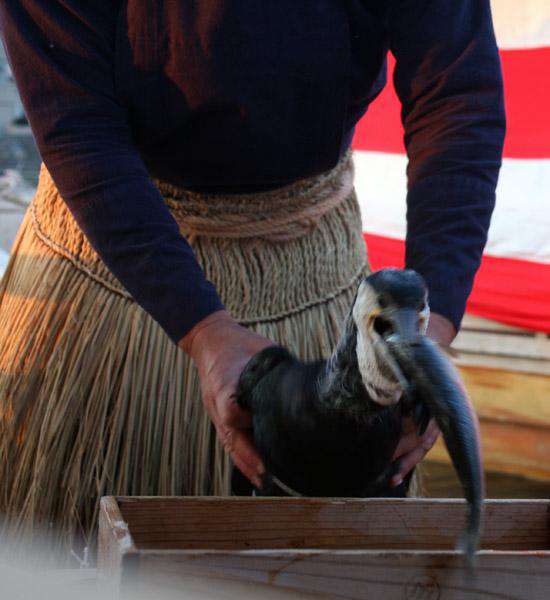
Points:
382	389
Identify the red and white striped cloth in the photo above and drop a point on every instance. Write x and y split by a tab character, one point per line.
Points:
513	284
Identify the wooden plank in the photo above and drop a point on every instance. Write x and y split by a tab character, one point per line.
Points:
528	345
114	538
514	421
174	523
471	322
509	448
164	583
482	342
509	397
357	575
439	480
504	363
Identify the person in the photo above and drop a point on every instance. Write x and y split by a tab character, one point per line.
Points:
197	195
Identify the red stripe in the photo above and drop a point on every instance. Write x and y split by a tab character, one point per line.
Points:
380	130
527	95
515	292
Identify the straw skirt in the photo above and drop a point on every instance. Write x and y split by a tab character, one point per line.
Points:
94	397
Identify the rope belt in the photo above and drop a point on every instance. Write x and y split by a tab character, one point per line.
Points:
278	216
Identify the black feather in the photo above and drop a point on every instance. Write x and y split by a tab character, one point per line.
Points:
313	448
256	369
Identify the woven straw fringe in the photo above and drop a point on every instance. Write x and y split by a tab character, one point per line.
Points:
94	397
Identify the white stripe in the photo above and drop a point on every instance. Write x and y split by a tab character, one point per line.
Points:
521	222
520	227
521	23
381	184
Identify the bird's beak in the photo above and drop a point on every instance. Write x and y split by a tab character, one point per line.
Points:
403	327
405	322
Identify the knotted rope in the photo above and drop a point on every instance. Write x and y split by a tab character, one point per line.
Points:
280	216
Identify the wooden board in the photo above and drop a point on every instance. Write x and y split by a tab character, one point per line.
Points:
506	371
439	480
509	397
514	415
512	449
359	575
338	548
486	343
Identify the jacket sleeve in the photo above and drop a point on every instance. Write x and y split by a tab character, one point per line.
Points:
62	54
449	81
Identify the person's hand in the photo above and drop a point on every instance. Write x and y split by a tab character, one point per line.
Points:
220	348
412	448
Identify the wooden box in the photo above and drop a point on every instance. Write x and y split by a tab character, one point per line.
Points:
377	549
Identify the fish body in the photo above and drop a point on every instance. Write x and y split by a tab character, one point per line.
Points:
439	386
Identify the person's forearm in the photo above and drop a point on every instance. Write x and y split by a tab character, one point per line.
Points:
449	81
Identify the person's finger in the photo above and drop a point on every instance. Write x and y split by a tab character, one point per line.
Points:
407	439
410	459
239	444
407	443
432	428
410	438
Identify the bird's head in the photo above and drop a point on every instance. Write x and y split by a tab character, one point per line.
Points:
388	302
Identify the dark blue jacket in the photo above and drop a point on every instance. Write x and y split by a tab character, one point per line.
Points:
233	95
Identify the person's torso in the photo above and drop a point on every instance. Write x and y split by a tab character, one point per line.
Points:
226	94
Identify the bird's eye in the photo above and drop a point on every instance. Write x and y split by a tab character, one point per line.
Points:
382	326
